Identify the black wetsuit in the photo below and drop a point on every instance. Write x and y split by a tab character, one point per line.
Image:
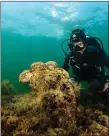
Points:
91	65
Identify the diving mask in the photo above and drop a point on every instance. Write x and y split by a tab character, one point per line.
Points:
77	45
78	48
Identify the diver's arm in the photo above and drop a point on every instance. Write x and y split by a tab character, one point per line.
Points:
66	64
106	61
101	58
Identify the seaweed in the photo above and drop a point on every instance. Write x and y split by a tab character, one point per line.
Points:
8	91
52	107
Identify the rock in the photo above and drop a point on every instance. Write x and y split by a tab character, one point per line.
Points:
51	108
51	104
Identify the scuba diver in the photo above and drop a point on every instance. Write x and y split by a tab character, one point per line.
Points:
87	59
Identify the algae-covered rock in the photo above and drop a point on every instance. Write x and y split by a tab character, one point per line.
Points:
96	130
91	121
51	104
51	109
25	76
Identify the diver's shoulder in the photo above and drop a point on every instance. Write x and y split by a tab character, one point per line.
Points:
92	49
92	44
90	39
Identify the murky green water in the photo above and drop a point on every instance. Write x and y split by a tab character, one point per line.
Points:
33	31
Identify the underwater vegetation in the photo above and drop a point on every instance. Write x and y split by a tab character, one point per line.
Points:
53	107
7	91
7	88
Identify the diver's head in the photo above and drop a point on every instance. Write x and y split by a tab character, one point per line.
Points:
78	40
78	43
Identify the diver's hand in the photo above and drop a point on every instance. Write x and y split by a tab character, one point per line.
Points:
73	80
105	89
